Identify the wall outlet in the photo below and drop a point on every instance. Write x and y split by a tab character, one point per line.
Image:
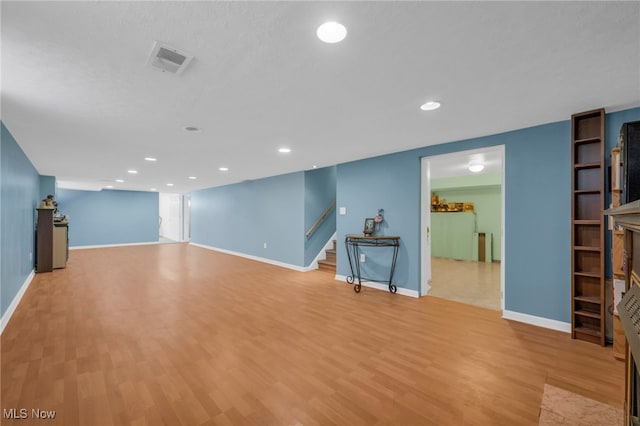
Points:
343	211
362	258
265	245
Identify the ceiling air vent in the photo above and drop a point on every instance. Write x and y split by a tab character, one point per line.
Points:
169	59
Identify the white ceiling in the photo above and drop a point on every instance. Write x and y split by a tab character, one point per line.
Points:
457	164
82	102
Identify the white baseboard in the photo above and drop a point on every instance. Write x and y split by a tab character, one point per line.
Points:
113	245
256	258
384	287
16	300
537	321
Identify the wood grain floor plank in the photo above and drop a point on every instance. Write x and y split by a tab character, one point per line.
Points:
178	335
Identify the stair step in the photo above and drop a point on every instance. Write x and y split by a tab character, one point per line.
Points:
327	265
331	255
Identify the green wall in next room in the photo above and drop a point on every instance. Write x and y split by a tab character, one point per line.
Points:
484	191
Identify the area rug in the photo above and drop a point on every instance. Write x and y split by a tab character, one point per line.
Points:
561	407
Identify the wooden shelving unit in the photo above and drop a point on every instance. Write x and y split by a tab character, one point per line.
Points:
587	227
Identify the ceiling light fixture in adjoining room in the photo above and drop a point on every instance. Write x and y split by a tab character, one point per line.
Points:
284	150
119	180
476	168
169	184
193	177
133	172
150	159
223	169
331	32
430	106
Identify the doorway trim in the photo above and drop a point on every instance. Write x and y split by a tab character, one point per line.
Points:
425	216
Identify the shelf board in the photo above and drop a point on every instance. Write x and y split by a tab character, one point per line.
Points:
589	331
586	222
587	274
586	191
586	248
589	299
586	140
579	166
586	313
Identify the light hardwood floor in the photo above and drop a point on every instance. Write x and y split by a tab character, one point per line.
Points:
178	335
475	283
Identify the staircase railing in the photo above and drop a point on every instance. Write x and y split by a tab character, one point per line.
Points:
321	219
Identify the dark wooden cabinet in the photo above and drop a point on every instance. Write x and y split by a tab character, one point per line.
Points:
44	241
587	227
627	216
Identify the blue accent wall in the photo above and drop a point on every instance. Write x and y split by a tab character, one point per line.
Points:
47	186
19	195
538	211
109	217
319	193
243	216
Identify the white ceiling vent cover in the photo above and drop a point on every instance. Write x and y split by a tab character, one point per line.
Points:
169	59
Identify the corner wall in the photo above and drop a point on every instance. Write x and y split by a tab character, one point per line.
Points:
19	195
243	217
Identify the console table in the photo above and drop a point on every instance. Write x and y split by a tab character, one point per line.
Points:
353	244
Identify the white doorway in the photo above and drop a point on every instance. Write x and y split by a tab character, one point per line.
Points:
186	214
451	166
170	220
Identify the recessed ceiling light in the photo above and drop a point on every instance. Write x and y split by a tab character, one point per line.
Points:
153	189
193	177
475	168
430	106
331	32
119	181
315	167
223	169
169	184
109	186
150	159
133	172
192	129
284	150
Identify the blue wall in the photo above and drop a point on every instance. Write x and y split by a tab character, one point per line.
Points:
19	192
319	193
538	211
47	186
242	217
109	217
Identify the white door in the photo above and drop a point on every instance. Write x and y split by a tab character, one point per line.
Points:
186	227
425	227
170	215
